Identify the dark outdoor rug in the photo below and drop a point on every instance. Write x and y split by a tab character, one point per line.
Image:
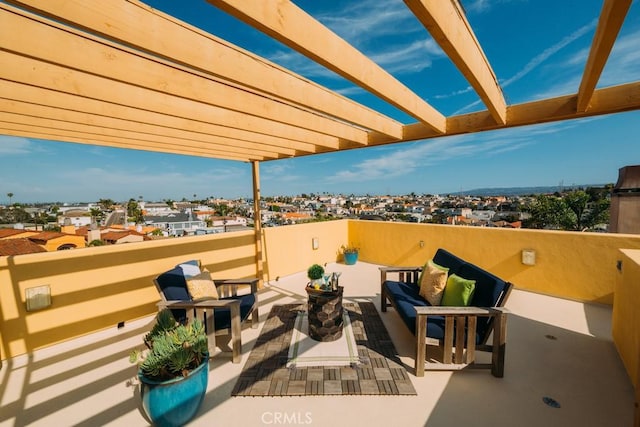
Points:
379	373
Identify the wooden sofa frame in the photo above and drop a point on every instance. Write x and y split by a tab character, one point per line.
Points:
458	319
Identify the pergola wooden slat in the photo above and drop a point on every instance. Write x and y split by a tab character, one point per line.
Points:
62	103
609	24
447	24
290	25
208	54
86	55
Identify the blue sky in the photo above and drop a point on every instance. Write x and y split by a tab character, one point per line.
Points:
537	48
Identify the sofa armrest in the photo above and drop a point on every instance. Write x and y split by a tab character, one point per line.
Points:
464	320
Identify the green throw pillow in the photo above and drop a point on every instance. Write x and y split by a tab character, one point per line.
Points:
458	292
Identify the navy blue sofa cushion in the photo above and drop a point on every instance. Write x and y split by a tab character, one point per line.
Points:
489	289
449	260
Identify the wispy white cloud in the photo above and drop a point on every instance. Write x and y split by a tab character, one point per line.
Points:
455	93
624	62
406	160
623	66
410	58
482	6
539	59
12	145
547	53
358	21
378	29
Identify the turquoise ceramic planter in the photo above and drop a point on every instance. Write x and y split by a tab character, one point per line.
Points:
174	402
350	258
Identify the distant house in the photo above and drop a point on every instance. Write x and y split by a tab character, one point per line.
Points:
19	246
157	209
176	224
119	237
55	241
295	217
76	217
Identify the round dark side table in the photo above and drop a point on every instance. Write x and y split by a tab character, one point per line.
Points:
324	312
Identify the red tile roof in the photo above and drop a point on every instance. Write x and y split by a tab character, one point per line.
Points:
7	232
48	235
19	246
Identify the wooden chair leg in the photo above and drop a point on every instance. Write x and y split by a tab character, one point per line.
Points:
255	318
421	345
211	332
499	345
236	342
383	292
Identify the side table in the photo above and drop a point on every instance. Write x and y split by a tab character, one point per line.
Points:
324	311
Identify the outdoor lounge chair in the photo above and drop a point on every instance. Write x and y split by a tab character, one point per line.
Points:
223	316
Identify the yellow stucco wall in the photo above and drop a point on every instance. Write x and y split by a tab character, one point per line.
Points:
626	316
578	266
288	249
95	288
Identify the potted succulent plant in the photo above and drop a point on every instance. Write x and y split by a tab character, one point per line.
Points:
350	253
173	370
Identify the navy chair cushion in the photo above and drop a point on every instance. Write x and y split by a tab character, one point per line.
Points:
173	285
222	316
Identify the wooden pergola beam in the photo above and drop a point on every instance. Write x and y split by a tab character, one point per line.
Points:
45	75
611	100
136	135
160	133
85	139
56	44
611	18
450	29
287	23
166	36
61	103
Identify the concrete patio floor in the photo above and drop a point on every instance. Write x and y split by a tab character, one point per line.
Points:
555	348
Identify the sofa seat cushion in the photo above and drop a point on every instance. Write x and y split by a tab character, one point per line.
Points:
405	297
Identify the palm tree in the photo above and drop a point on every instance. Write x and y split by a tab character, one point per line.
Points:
10	195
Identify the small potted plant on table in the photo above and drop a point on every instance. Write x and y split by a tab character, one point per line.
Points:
173	370
315	274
